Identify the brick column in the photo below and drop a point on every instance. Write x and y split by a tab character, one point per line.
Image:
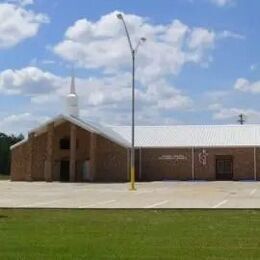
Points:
29	167
73	151
48	173
92	166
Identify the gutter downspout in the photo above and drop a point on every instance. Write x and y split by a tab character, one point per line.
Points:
140	164
192	164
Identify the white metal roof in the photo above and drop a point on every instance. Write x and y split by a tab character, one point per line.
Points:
193	135
88	126
169	136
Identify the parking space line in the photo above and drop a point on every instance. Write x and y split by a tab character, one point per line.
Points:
156	204
220	204
252	192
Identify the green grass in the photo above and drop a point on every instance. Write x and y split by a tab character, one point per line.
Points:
129	234
4	177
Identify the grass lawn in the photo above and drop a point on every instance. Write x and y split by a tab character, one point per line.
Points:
4	177
129	234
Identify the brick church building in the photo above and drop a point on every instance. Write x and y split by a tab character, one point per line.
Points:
69	149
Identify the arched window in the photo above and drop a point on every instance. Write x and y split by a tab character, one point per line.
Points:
65	143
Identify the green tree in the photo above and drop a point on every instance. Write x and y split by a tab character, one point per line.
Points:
6	141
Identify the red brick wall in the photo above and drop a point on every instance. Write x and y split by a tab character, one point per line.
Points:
39	157
243	163
19	158
111	164
83	149
111	158
155	169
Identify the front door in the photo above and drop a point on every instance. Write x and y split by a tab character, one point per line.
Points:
224	168
65	171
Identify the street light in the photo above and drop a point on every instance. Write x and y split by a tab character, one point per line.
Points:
133	53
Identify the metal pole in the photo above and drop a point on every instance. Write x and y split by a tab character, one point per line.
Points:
192	164
133	125
140	164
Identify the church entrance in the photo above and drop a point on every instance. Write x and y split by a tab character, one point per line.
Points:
65	171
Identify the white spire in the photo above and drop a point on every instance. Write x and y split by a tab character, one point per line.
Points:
72	99
72	84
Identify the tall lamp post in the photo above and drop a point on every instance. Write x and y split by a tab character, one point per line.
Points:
133	53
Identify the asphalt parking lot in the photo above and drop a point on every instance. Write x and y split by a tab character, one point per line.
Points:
148	195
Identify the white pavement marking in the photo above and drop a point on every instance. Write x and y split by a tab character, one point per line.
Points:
220	204
252	192
156	204
97	204
61	195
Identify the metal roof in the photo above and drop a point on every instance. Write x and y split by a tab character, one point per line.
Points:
168	136
88	126
193	135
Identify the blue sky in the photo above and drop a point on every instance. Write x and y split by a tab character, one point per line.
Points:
200	64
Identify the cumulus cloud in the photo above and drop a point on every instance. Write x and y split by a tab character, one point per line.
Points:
28	81
106	99
244	85
222	113
18	24
25	121
102	45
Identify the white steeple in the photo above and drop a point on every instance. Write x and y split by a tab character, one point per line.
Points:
72	99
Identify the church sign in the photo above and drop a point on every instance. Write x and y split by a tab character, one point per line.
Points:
169	157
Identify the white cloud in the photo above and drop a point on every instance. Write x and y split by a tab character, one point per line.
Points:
228	34
244	85
28	81
222	3
201	38
166	97
25	121
224	114
18	24
106	99
102	45
217	94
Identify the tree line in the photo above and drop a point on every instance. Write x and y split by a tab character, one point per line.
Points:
6	141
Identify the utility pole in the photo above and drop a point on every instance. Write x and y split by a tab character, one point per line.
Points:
241	119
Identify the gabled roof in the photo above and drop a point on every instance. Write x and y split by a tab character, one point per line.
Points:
88	126
179	136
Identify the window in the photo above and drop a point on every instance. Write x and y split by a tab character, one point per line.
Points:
65	143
